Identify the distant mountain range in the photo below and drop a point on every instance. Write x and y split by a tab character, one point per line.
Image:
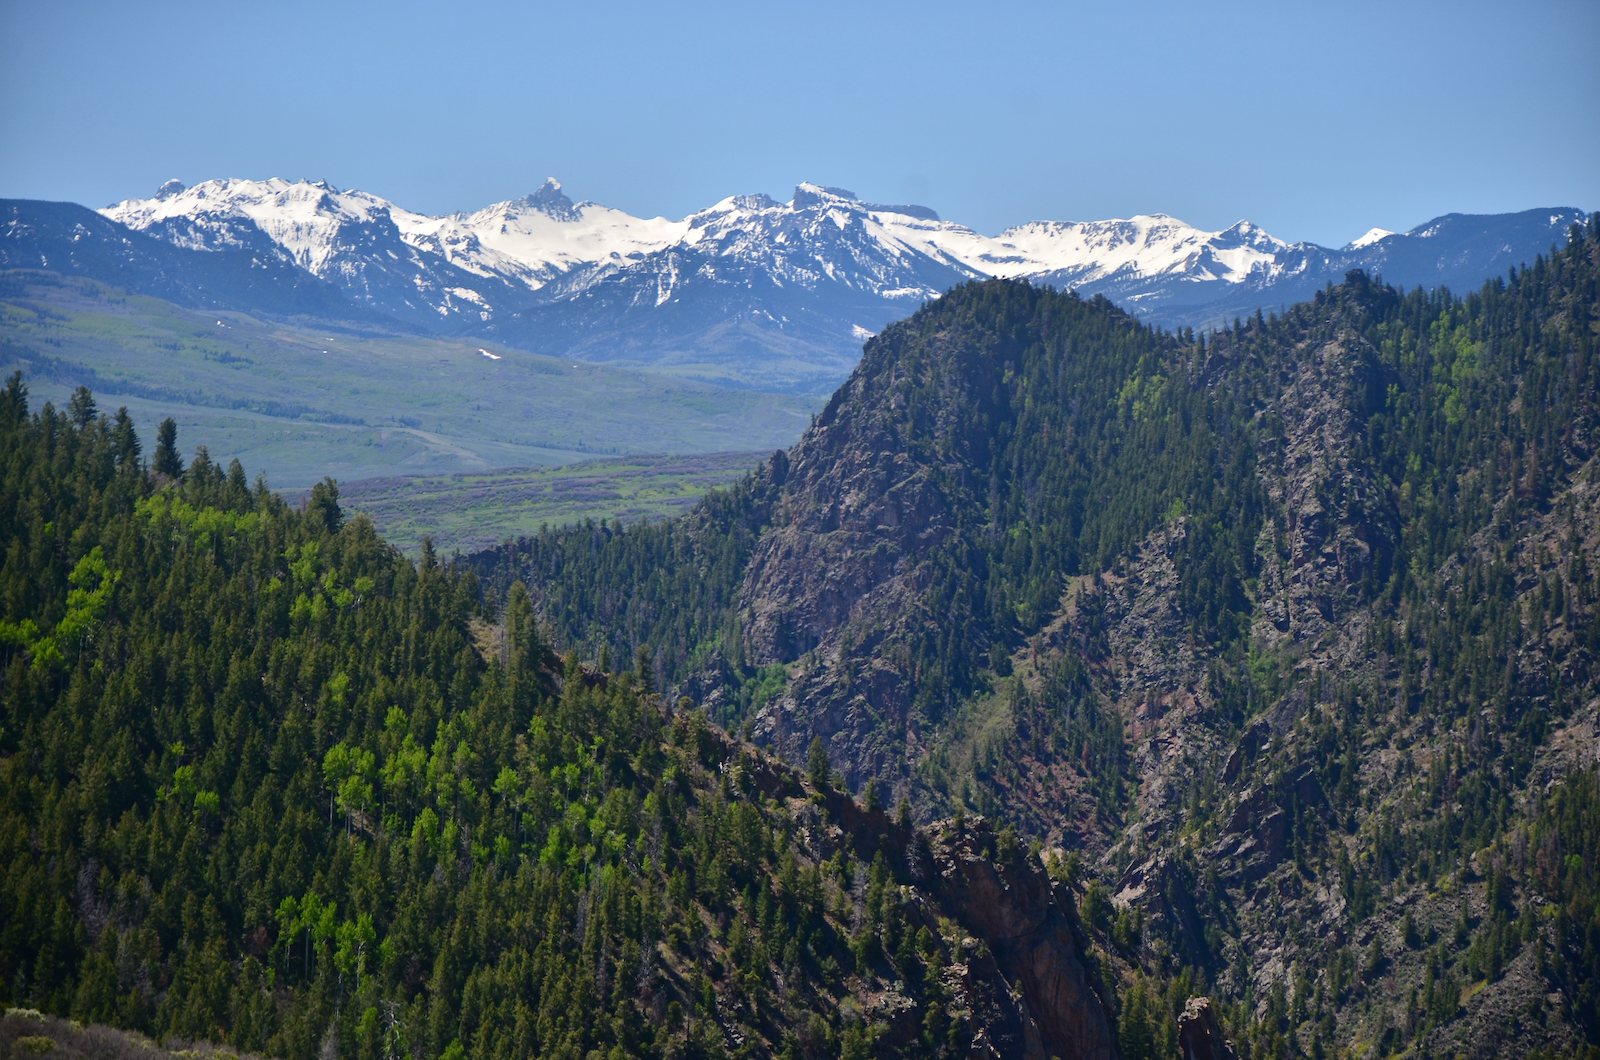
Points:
749	290
71	240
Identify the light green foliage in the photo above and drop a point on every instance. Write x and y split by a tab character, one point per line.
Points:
91	583
303	799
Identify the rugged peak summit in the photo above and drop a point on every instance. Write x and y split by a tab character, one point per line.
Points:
734	207
549	199
1249	234
171	188
921	213
807	194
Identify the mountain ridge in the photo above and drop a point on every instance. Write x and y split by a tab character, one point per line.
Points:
76	241
1287	636
752	288
517	855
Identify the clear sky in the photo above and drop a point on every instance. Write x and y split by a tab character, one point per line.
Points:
1317	121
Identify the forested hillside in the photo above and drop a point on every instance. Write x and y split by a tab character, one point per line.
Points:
1276	647
266	783
1284	637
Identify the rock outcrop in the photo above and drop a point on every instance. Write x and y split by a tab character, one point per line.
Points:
1027	980
840	585
1032	930
1331	534
1199	1035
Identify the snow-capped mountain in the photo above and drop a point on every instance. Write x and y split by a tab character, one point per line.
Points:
795	287
72	240
356	241
1369	237
539	237
776	292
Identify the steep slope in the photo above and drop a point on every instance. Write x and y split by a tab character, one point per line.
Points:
1404	699
266	783
1286	635
871	582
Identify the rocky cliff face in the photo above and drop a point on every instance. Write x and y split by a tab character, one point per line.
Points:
1031	929
1287	633
1199	1035
1024	981
839	586
1240	806
1244	814
1333	528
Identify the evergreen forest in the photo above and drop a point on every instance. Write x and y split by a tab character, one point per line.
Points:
1067	670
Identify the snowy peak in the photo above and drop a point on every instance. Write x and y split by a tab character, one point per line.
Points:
1145	245
524	242
1369	237
305	218
807	195
1249	234
823	235
534	239
551	201
821	238
755	274
353	239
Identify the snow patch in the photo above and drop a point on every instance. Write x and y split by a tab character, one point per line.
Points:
1371	236
491	356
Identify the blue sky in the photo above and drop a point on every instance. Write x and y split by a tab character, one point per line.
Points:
1316	121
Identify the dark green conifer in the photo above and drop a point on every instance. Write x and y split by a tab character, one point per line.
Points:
167	462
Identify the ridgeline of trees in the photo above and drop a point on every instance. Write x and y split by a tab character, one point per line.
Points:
265	782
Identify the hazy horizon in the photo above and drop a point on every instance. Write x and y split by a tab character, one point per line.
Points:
1315	125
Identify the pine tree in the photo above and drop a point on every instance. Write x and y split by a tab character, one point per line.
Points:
324	505
81	407
167	462
817	767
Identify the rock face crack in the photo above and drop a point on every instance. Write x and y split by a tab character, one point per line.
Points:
1035	938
